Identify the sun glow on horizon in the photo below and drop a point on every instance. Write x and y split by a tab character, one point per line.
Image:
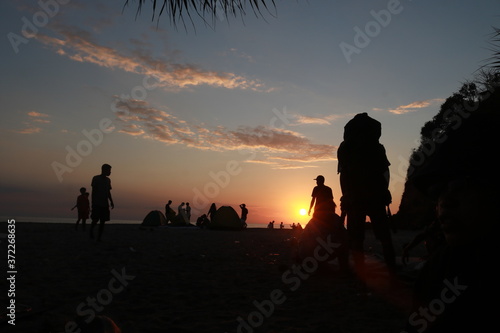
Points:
303	212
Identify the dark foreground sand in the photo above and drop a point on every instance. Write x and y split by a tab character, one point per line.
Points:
191	280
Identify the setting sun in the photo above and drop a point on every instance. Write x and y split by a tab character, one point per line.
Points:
303	211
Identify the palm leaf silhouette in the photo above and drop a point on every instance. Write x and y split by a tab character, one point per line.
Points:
178	10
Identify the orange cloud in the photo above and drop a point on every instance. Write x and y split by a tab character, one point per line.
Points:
324	120
29	130
79	46
311	120
414	106
33	118
38	117
37	114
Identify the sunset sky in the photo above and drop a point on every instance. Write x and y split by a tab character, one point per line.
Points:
250	110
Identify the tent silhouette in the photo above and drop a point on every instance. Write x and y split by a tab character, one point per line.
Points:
154	218
226	218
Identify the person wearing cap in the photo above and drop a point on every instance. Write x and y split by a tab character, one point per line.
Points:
325	224
322	199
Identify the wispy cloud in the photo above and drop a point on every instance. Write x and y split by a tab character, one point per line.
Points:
320	120
32	124
274	146
29	130
414	106
242	55
311	120
38	117
81	46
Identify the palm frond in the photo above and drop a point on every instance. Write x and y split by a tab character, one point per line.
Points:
494	60
207	10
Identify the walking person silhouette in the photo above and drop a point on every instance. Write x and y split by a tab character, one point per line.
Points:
101	200
83	207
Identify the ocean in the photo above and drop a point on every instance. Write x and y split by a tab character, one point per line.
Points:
72	220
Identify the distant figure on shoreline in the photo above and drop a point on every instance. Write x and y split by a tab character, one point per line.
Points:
180	209
188	212
101	200
83	207
181	214
169	212
212	211
244	213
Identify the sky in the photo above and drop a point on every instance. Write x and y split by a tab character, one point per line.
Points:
241	110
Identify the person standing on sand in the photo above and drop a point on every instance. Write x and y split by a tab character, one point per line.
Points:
83	207
322	199
188	213
325	223
167	208
212	211
169	212
364	180
244	213
101	200
181	212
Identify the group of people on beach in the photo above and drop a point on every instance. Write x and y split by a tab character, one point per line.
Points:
293	226
183	215
456	280
204	220
364	180
452	289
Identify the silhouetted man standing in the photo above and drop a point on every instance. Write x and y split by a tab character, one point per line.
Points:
325	225
244	214
322	199
169	212
364	180
101	200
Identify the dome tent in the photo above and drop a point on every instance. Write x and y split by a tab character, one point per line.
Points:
226	218
154	218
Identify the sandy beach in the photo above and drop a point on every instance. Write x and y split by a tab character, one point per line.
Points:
192	280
